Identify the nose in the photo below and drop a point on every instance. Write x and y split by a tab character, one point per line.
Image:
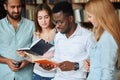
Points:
44	20
57	25
16	9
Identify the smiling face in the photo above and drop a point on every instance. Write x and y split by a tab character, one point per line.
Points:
43	19
13	8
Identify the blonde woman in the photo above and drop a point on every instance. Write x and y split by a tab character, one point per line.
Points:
105	54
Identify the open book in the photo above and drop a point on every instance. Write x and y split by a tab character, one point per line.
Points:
40	59
46	61
38	48
40	53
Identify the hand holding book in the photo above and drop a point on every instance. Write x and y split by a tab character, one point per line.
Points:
38	48
40	53
36	58
48	65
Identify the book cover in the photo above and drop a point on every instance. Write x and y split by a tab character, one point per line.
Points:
38	48
40	59
45	61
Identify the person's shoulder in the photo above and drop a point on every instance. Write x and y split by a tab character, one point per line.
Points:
106	34
3	19
108	39
58	34
3	22
85	31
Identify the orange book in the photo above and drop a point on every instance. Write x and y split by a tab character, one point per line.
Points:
45	61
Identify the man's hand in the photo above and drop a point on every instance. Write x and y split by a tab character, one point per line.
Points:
23	63
12	65
15	65
47	66
66	66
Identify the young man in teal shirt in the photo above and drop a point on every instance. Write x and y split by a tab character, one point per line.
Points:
15	32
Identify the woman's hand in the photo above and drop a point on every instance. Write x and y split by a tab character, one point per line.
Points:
21	53
87	65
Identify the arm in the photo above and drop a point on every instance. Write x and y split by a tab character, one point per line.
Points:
90	43
108	57
87	65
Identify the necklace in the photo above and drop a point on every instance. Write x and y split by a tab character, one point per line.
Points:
47	36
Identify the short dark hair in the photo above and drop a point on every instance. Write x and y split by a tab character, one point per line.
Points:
63	6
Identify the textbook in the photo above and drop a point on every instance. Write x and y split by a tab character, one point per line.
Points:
38	59
38	48
40	53
45	61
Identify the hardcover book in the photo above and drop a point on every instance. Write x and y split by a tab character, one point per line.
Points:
45	61
38	48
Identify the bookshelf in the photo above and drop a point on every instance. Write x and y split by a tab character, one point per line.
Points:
2	10
78	6
30	7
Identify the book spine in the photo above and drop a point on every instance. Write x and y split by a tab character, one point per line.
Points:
39	1
78	13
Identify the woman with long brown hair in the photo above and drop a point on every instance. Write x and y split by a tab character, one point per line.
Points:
44	29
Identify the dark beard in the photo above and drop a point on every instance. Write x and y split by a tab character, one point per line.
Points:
66	31
14	18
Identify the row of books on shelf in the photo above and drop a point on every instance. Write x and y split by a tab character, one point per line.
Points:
42	1
84	1
115	0
30	9
118	12
55	1
79	14
30	14
79	1
33	1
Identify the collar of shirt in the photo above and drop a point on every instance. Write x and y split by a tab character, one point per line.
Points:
77	31
10	23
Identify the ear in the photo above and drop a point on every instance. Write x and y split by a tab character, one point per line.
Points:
71	18
5	6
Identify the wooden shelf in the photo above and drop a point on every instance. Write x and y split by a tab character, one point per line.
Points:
75	5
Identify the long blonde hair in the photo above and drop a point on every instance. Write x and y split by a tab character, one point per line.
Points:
107	18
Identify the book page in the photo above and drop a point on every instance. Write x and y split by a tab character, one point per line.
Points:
45	61
37	58
39	48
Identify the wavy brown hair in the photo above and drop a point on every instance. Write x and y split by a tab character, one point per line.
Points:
48	10
108	20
